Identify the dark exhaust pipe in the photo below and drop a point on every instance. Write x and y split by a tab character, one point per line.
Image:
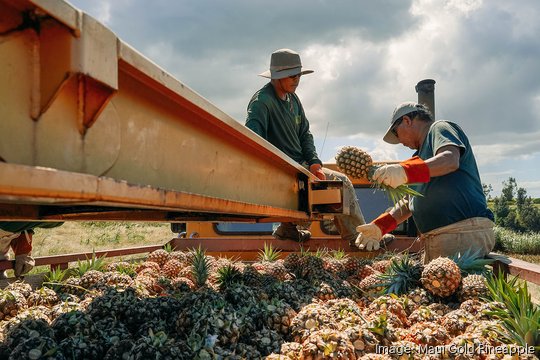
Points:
426	94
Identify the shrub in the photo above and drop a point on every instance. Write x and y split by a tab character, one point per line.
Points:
514	242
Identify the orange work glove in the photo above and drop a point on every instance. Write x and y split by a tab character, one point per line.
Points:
413	170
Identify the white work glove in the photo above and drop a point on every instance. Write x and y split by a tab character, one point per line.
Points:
369	237
23	264
392	175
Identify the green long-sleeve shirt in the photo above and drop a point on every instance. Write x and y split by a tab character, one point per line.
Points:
283	124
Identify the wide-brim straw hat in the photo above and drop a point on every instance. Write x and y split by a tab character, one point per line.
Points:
284	63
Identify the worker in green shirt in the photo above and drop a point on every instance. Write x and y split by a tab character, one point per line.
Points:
452	214
276	114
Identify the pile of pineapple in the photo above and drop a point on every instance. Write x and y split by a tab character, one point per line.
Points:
308	305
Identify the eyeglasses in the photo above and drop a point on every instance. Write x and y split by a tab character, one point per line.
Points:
398	122
393	130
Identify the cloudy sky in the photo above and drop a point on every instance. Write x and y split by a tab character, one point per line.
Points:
367	55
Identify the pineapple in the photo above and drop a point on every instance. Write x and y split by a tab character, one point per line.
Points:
290	350
427	333
92	279
251	276
345	312
292	263
266	340
363	341
81	346
159	256
325	291
472	263
227	276
354	162
11	303
353	265
155	346
311	318
472	287
312	267
279	315
357	163
381	265
391	305
366	271
43	296
31	323
423	314
21	287
441	277
73	322
456	321
372	285
153	267
335	264
270	264
172	268
37	348
327	344
472	306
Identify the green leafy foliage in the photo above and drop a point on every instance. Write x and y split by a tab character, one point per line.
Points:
470	262
520	316
94	263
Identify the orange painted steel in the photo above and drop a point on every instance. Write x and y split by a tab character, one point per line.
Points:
102	125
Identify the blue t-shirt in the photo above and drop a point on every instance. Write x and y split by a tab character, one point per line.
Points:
453	197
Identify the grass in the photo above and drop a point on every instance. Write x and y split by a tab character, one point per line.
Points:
80	237
76	237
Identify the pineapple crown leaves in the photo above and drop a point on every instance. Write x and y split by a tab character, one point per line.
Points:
200	266
269	253
94	263
472	262
54	278
521	317
168	248
56	275
338	254
402	276
126	270
395	195
228	275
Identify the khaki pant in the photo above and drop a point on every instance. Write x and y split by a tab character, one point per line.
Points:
475	233
5	242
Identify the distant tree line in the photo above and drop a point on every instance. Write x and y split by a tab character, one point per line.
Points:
513	209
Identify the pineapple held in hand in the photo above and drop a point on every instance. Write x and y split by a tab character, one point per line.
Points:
357	163
354	162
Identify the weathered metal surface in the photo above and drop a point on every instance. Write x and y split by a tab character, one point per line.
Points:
77	99
61	189
524	270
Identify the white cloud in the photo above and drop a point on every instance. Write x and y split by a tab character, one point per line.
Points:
367	56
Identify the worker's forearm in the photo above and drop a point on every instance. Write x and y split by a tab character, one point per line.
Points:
445	162
401	211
